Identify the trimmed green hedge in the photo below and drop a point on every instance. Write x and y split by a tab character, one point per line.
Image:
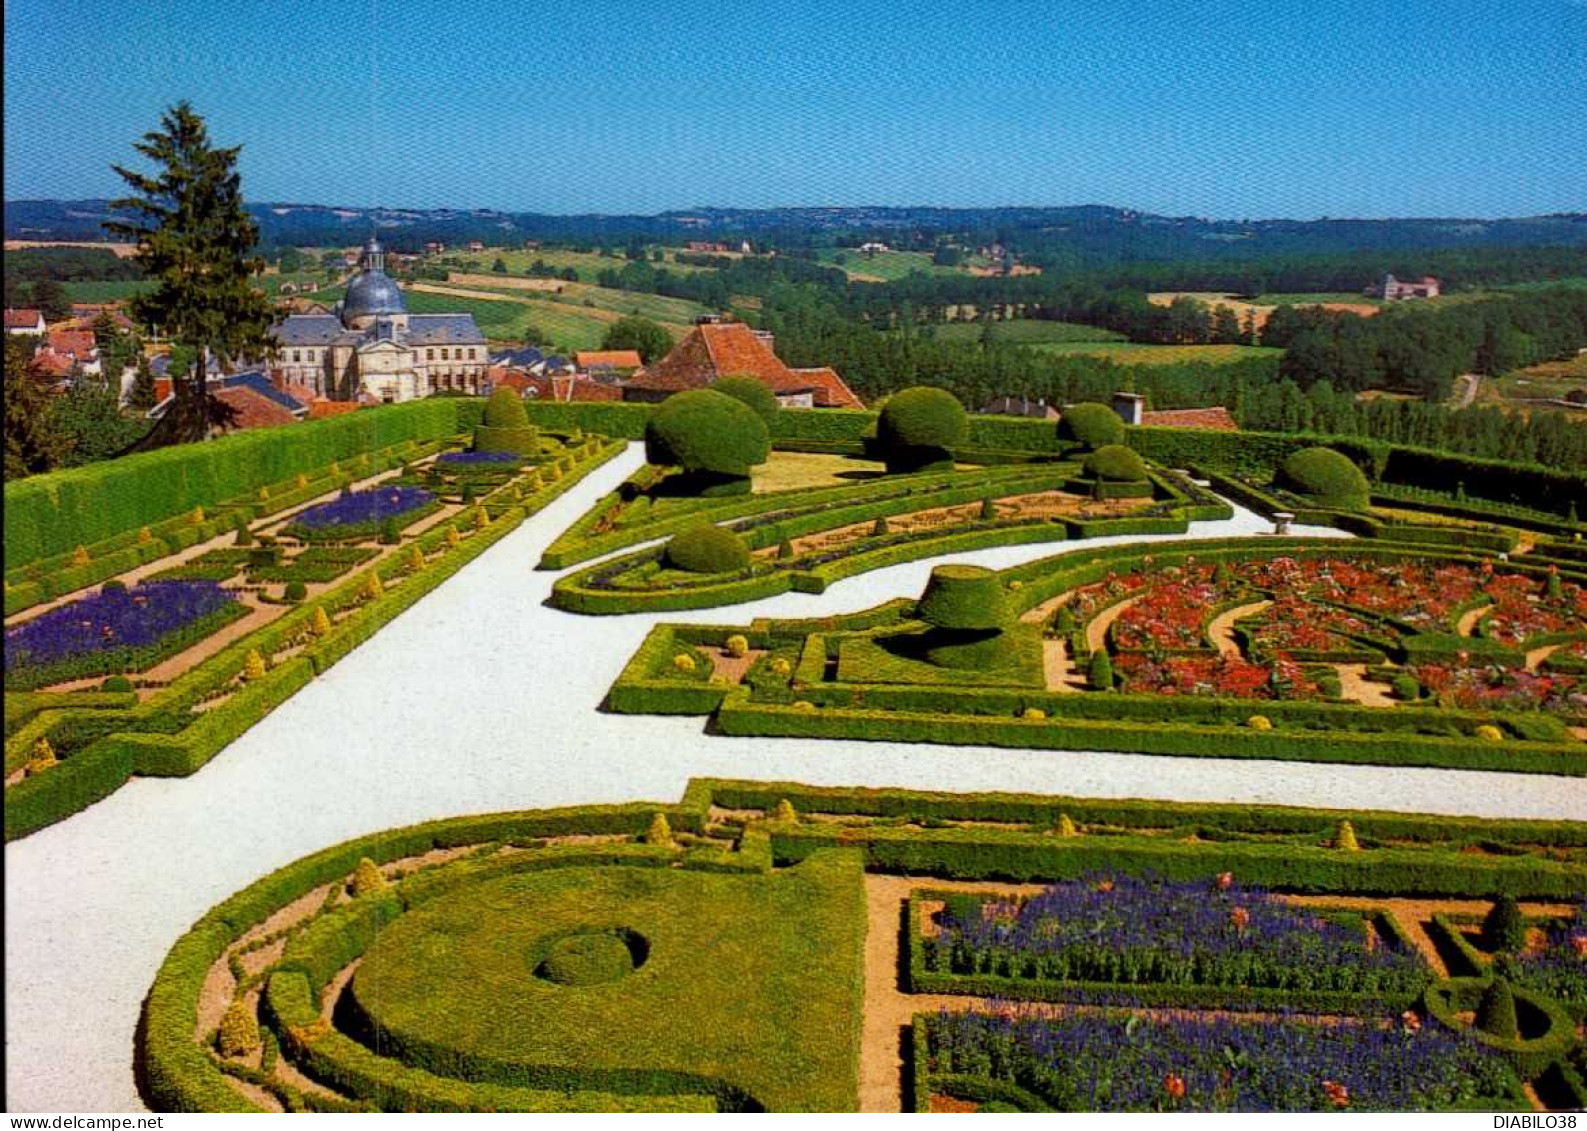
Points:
1529	1056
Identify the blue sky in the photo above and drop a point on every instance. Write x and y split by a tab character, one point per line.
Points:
1297	108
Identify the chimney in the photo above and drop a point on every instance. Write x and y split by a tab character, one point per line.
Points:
1131	407
767	338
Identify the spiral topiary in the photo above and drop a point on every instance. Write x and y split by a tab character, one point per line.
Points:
505	426
707	549
1327	478
756	394
714	438
1116	464
918	426
1092	424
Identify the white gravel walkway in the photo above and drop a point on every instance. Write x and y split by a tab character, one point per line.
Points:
481	699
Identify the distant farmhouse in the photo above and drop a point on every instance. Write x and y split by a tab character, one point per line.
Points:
371	349
1391	289
874	247
25	321
716	348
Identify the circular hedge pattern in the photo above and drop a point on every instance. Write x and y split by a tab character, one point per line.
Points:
753	393
707	431
918	426
590	957
1092	424
1327	478
1116	464
707	549
964	597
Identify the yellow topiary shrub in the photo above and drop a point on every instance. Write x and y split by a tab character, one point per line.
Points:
416	558
1345	838
660	832
253	668
785	812
80	556
197	518
43	757
481	518
453	537
322	622
1015	586
368	878
684	662
302	481
1259	722
239	1030
803	705
372	585
1033	713
264	494
1489	733
737	645
145	535
1066	825
781	666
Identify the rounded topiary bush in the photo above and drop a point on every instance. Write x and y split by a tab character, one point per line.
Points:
587	958
756	394
707	549
709	435
1116	464
1092	424
1327	478
505	426
296	591
964	597
918	426
116	683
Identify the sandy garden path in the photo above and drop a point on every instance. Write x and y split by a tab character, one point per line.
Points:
1535	658
1057	668
1354	684
1097	630
1467	624
1221	629
481	698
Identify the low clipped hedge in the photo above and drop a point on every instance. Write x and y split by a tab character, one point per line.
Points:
1531	1057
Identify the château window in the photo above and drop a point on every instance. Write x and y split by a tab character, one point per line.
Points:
444	356
295	356
429	355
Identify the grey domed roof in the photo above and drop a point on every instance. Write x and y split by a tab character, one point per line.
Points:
372	292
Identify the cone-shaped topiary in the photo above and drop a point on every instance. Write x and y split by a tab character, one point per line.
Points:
755	394
368	878
918	426
1504	928
244	534
660	832
712	437
707	549
1556	588
1496	1011
964	597
390	531
880	527
372	585
264	494
505	426
1066	825
469	494
988	509
785	812
1116	464
415	558
43	756
1094	425
253	667
1099	672
785	550
197	517
80	556
481	518
1345	838
322	621
145	535
239	1030
1327	478
452	536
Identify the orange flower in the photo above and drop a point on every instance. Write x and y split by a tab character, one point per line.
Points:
1579	945
1412	1021
1337	1094
1105	885
1225	881
1174	1086
1240	917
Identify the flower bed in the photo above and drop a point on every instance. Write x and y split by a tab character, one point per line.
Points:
314	564
1558	967
1225	676
361	514
1502	687
1128	1062
116	630
1126	930
466	459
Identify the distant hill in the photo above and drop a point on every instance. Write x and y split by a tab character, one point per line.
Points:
1089	234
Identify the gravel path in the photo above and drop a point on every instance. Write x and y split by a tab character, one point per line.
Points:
480	699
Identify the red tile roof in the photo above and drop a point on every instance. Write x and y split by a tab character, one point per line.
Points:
1209	419
253	409
48	363
24	319
714	350
564	388
829	389
614	359
320	409
76	343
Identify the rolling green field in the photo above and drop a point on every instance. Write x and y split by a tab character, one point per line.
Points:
1025	332
588	264
886	266
1320	296
1131	353
571	318
111	291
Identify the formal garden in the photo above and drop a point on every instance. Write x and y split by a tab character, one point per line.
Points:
154	648
765	946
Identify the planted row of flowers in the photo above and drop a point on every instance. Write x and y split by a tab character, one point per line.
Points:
1558	966
1122	1061
1138	931
360	514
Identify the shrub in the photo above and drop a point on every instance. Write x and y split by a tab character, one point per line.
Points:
755	394
1033	713
372	586
1099	672
587	959
1489	733
239	1030
1504	928
244	534
145	535
737	645
1345	838
452	536
116	683
415	558
785	550
1116	464
1496	1011
918	426
296	591
1406	689
707	432
505	426
43	756
988	509
197	517
80	556
660	832
803	705
781	666
964	597
469	493
253	668
1092	424
481	518
1259	722
880	527
390	532
707	549
785	812
1327	478
684	662
114	585
322	621
368	879
1066	825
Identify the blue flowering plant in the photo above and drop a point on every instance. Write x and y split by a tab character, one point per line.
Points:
116	630
470	459
360	515
1558	966
1137	1060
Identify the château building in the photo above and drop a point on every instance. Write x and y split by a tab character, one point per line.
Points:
371	349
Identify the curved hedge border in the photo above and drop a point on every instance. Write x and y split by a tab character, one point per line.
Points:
1530	1057
160	737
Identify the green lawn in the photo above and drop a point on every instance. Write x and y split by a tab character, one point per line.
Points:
1130	353
749	984
1319	296
109	291
1024	332
886	266
588	264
